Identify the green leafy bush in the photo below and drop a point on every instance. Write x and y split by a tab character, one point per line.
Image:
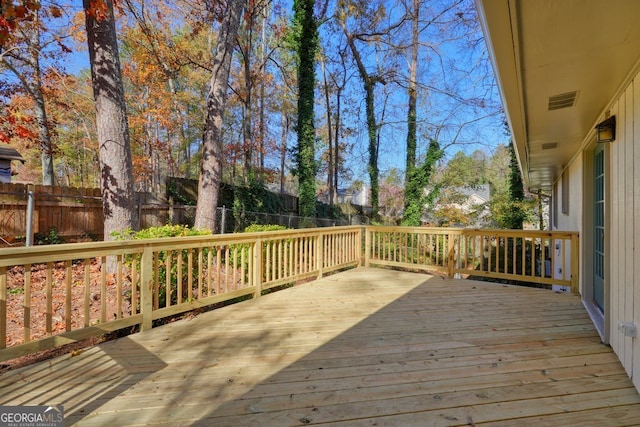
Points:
50	238
159	232
163	232
255	228
244	247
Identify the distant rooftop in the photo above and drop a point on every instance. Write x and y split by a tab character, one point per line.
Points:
482	191
8	153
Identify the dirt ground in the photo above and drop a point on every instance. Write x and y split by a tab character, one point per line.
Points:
38	305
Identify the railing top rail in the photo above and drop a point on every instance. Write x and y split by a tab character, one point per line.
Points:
521	233
477	231
432	230
51	253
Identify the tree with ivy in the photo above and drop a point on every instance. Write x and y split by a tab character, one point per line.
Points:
306	43
510	207
418	179
519	212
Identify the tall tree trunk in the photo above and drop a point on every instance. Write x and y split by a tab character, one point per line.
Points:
46	147
412	194
178	113
44	136
263	59
332	163
372	131
369	83
307	46
540	213
283	148
212	152
31	81
111	120
247	116
35	88
337	126
412	136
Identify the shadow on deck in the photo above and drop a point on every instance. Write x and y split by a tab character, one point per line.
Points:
363	347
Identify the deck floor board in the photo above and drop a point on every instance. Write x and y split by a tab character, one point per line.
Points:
362	347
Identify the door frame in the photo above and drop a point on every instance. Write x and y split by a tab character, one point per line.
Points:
600	318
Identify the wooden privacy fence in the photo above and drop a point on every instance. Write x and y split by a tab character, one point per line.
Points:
57	294
542	257
74	213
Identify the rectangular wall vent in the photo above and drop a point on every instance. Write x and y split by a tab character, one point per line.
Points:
549	145
564	100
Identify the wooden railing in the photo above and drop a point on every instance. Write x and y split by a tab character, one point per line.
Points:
58	294
542	257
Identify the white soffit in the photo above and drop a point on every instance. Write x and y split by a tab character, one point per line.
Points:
558	65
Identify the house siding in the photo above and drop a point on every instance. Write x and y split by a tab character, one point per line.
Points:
571	221
622	234
624	230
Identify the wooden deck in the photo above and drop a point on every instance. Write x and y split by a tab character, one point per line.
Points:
363	347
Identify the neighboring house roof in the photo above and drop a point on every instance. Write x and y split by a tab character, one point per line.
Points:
474	201
558	64
8	153
480	194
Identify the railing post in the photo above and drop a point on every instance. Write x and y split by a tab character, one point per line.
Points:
451	255
3	307
367	246
359	246
146	288
575	264
257	268
319	258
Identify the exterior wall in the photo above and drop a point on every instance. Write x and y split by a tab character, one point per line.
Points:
624	235
622	225
569	218
5	170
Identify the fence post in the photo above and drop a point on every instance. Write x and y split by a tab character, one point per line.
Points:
223	220
30	208
146	288
575	264
257	267
172	219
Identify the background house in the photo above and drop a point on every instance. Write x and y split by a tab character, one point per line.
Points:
7	155
358	196
565	68
461	207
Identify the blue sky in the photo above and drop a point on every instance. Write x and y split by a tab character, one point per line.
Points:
434	110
